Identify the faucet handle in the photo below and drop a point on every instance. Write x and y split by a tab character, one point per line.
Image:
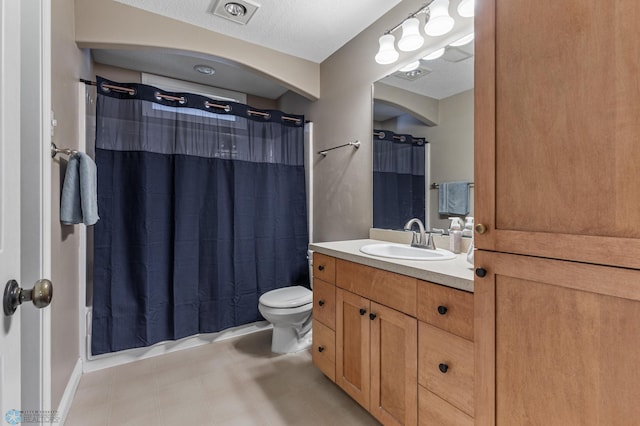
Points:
430	244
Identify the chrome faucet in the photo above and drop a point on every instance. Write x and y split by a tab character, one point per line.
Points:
421	239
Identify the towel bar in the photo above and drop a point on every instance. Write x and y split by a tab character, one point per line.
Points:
55	150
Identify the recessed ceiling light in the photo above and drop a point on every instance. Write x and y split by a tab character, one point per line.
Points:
235	9
204	69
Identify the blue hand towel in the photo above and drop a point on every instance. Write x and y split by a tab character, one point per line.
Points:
453	198
79	200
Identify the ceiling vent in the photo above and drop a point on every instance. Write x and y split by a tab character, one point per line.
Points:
238	11
454	54
414	74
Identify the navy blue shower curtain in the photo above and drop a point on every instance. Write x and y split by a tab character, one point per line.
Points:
203	209
398	179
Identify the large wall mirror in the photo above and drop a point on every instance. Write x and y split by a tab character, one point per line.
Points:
433	103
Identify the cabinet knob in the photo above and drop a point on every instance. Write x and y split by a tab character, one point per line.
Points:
320	267
321	302
481	272
442	310
481	229
443	368
372	316
320	348
363	311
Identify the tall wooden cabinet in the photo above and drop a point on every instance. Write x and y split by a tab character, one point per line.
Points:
557	208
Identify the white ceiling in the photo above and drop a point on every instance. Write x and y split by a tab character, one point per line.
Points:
309	29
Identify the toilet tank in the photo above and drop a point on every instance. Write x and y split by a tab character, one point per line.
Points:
310	259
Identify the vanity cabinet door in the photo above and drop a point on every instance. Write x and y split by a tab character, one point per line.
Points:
352	345
394	362
557	124
557	342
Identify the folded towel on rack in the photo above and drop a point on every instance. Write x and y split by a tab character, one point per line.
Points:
453	198
79	199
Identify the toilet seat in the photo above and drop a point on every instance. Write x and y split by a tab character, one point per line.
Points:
287	297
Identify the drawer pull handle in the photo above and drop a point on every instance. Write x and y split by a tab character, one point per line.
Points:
363	311
321	267
481	272
442	310
320	348
443	368
321	302
372	316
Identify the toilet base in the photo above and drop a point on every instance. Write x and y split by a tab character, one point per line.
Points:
285	340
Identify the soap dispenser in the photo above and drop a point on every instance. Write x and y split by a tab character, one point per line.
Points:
468	227
455	236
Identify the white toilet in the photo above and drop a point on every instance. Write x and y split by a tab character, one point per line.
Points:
289	310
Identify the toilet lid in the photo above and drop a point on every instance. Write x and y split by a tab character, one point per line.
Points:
287	297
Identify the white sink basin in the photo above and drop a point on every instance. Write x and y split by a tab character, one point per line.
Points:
406	252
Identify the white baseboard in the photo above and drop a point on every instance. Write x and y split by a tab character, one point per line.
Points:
70	391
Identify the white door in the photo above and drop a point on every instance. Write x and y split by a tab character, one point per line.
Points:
23	59
10	386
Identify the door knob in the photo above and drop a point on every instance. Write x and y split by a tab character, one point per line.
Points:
481	229
442	310
40	295
372	316
321	267
363	311
321	302
481	272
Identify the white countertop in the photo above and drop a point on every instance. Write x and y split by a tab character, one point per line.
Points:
456	273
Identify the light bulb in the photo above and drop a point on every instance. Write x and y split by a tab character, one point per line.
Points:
387	53
439	22
410	67
434	55
466	8
411	38
464	40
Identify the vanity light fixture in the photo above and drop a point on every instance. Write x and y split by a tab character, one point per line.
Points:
410	67
440	22
466	8
387	53
463	40
434	55
411	39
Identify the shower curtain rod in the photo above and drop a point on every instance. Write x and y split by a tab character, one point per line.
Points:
208	104
400	138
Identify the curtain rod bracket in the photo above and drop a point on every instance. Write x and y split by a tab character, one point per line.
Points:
355	144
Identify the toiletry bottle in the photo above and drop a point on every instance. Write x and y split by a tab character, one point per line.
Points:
468	227
455	236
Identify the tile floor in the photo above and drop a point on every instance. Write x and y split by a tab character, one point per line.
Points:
233	382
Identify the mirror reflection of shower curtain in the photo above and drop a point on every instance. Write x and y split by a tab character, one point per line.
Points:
203	210
398	179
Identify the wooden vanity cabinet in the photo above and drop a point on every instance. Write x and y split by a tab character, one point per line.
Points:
323	350
556	197
392	333
376	346
559	342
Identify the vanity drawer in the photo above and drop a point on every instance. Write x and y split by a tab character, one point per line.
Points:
435	411
445	366
324	267
324	303
392	290
323	352
446	308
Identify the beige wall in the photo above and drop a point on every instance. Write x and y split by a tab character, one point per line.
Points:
109	24
422	107
67	65
451	143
